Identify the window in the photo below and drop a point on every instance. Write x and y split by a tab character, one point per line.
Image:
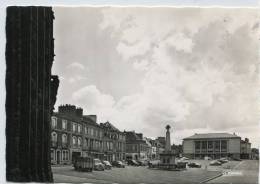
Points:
79	141
91	132
107	145
217	146
210	146
223	146
64	124
74	125
111	144
86	141
86	129
54	136
204	144
74	141
65	155
197	145
79	128
64	138
53	122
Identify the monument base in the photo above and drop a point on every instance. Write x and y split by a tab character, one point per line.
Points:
167	158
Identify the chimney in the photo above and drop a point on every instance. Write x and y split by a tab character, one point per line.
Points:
79	112
67	109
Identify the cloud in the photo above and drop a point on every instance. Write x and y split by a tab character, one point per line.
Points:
196	69
200	70
76	78
93	101
77	66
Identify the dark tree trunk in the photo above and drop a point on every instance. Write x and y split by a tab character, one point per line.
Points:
30	93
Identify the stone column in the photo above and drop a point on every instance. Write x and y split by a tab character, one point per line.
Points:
168	139
30	93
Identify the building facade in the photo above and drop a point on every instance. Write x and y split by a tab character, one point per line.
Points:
136	147
246	152
214	145
74	134
157	149
114	142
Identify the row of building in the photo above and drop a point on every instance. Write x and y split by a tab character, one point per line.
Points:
74	134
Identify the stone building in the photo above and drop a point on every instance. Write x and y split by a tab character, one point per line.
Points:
136	147
214	145
30	93
157	149
114	142
74	134
246	152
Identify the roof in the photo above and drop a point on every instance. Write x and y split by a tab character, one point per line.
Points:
109	126
76	119
132	137
212	136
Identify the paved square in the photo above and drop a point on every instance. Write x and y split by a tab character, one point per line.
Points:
132	175
244	172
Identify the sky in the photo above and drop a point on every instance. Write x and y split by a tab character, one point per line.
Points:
142	68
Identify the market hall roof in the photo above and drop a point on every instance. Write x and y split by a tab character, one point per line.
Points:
212	136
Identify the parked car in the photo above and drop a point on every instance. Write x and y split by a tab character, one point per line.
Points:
194	165
118	164
184	158
132	162
98	166
142	162
107	164
215	162
223	160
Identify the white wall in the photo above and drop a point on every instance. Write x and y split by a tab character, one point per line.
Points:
234	145
188	146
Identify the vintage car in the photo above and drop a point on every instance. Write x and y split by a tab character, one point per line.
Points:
84	164
223	160
194	165
118	164
215	163
132	163
107	164
142	162
98	165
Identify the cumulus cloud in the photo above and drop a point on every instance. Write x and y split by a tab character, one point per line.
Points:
200	66
77	66
199	70
94	102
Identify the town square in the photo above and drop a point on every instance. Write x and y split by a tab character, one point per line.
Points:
132	95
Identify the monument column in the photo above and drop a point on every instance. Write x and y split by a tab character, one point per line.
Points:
168	139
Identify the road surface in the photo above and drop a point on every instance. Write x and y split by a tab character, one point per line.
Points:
246	172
